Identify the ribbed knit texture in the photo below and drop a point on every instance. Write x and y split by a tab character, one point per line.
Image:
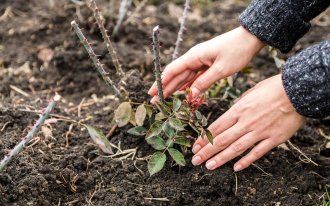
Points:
306	80
280	23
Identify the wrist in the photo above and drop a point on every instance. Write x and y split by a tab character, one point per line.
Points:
253	42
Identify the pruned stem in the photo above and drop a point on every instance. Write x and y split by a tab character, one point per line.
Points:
124	6
106	38
181	29
19	147
96	61
155	48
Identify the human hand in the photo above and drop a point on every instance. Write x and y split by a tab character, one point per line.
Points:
219	57
263	116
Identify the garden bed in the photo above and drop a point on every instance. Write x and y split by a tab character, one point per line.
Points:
62	166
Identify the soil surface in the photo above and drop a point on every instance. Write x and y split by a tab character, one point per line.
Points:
40	54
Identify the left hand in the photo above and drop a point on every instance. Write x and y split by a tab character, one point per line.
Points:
263	116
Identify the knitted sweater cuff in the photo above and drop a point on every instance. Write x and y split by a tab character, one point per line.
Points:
274	23
306	80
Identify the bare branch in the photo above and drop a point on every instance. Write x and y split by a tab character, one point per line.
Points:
96	61
106	38
182	28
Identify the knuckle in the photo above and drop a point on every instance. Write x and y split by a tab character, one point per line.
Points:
203	155
257	153
220	141
238	147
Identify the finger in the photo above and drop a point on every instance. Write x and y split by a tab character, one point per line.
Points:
209	77
234	150
179	81
191	60
189	83
220	142
170	89
225	121
256	153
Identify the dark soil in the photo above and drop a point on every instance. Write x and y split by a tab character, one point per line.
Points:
56	172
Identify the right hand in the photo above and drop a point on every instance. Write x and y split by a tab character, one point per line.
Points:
208	62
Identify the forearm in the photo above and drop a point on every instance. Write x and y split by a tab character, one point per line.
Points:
306	79
280	23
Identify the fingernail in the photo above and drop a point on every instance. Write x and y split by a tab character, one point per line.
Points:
149	91
195	91
196	148
210	164
237	168
153	100
196	160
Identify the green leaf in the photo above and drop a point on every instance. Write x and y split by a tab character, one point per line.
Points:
156	163
204	121
209	135
138	131
182	141
176	104
177	156
159	116
176	124
155	129
168	130
194	128
149	111
140	115
99	139
123	114
169	143
198	115
156	142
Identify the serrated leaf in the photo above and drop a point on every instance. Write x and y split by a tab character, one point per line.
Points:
155	129
204	121
176	104
138	131
177	156
176	124
198	115
140	114
182	141
123	114
159	116
209	135
156	142
168	130
99	139
156	163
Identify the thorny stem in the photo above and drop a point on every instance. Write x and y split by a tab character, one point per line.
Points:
124	6
181	29
95	60
155	49
19	147
106	38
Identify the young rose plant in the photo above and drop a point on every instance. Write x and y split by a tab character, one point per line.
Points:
169	128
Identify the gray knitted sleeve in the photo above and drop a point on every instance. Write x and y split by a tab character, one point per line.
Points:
306	80
280	23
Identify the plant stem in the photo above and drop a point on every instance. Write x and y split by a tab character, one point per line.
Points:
181	29
106	38
124	6
155	48
19	147
95	60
